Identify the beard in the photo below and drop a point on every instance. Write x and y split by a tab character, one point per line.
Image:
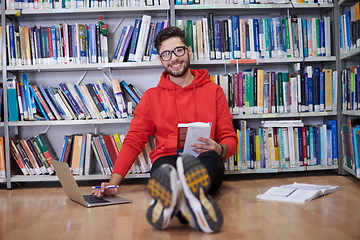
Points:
178	72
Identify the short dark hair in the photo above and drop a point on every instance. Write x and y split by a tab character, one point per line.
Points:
167	33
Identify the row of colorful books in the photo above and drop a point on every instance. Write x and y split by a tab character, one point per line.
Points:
70	4
29	102
221	2
33	155
285	144
351	88
349	24
350	133
136	43
254	91
238	38
88	153
63	44
80	43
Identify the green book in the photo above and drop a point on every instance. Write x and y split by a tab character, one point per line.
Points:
287	37
279	86
46	148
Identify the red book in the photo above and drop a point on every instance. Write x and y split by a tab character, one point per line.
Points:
304	147
111	147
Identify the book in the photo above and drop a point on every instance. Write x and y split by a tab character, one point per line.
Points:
2	158
297	192
12	100
187	134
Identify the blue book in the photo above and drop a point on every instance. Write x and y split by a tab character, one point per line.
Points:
316	145
73	103
52	106
305	39
310	88
357	89
332	125
265	30
92	44
126	44
272	37
111	99
300	144
32	45
33	95
316	89
49	91
134	40
54	43
178	2
82	155
248	155
106	152
13	107
256	43
348	33
356	146
341	32
217	36
74	45
11	32
38	52
30	104
235	37
158	28
120	43
129	91
83	100
63	149
322	38
279	37
322	91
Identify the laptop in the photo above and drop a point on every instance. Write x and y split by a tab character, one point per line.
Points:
73	192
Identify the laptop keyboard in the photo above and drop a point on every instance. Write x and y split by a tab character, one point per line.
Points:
94	199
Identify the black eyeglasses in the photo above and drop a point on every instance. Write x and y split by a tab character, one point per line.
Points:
178	51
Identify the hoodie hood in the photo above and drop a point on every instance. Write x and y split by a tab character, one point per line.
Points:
201	77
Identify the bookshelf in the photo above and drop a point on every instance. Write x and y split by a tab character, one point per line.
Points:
349	61
125	15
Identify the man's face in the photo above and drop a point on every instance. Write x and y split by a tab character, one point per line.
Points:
176	66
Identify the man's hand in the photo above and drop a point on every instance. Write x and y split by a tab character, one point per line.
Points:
105	191
207	145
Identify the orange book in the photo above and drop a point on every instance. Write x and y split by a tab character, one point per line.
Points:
2	158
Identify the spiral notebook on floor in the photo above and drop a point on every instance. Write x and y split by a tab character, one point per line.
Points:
73	192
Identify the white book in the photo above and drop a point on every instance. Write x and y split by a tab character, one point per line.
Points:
285	138
293	162
251	54
88	155
281	123
142	40
297	192
301	40
194	50
294	95
67	115
327	36
206	39
77	98
191	131
89	102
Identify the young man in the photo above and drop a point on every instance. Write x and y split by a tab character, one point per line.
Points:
180	185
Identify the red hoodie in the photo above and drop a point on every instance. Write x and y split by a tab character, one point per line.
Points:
161	109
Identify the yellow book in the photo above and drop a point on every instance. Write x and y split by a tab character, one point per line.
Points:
260	90
301	1
328	89
27	44
200	40
257	152
76	154
238	149
1	41
117	140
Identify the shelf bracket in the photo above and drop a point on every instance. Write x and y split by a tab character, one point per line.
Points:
81	77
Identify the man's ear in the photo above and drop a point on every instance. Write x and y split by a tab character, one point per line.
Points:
190	52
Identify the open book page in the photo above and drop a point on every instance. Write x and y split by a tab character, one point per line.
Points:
296	193
195	130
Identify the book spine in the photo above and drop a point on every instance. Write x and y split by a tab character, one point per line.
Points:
134	40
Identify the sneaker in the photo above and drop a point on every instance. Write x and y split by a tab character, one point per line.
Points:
163	187
198	207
